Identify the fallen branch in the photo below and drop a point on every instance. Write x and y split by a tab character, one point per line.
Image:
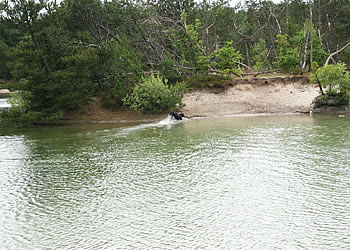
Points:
243	65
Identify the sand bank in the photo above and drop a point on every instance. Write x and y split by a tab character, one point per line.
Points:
253	96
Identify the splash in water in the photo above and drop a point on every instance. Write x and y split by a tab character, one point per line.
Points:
170	120
167	122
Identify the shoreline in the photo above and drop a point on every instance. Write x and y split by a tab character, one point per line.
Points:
240	97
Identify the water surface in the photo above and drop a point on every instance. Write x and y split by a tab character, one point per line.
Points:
226	183
4	103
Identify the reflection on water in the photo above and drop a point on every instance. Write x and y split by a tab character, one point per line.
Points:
4	104
250	183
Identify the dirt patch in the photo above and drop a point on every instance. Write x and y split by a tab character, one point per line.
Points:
250	96
93	112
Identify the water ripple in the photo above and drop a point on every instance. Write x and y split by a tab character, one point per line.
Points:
238	183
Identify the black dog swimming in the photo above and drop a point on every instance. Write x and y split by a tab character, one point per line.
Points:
176	116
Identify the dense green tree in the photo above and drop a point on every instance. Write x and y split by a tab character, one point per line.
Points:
260	56
5	72
228	59
288	56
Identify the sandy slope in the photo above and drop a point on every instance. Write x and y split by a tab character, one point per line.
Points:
277	96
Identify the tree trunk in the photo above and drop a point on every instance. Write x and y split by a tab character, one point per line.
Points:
216	38
306	39
272	40
247	52
319	17
319	84
287	18
43	60
311	28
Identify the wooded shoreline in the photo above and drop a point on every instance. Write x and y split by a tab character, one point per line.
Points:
143	54
265	95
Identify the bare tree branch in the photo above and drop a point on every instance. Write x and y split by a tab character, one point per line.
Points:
336	52
277	22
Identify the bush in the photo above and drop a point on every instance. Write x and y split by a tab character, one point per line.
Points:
327	100
154	95
334	78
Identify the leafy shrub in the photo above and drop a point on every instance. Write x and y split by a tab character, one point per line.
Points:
326	100
154	95
334	78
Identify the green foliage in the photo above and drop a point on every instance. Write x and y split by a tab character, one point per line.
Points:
19	100
228	58
203	64
14	85
188	45
345	56
62	54
113	98
62	89
5	73
154	95
288	56
331	100
335	79
27	61
166	67
31	117
259	56
19	112
299	40
207	81
125	62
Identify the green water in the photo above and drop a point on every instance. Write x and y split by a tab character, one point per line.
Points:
269	182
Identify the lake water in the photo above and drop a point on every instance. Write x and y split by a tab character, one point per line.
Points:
4	103
266	182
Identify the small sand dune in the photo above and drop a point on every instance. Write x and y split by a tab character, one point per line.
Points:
279	95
